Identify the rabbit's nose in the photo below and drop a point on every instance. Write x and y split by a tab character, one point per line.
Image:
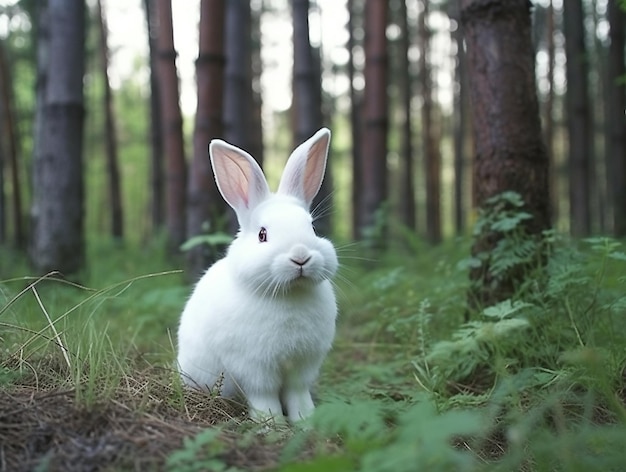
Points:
301	261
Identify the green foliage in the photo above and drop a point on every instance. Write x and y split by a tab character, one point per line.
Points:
502	218
534	382
200	453
214	241
378	436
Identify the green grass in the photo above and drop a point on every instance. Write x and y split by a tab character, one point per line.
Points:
533	383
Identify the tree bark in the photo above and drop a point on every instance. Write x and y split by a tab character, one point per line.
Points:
157	177
549	118
616	119
256	69
12	151
206	209
172	128
510	155
432	156
356	108
110	135
407	192
307	104
578	115
373	185
237	86
58	233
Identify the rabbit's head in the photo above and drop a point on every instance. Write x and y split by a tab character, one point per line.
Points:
276	249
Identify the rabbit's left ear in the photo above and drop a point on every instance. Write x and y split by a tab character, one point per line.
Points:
304	172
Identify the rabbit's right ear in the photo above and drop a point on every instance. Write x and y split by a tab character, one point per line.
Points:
239	178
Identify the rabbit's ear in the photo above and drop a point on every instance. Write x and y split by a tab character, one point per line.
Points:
239	178
304	172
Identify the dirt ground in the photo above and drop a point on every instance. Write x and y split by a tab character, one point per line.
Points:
136	428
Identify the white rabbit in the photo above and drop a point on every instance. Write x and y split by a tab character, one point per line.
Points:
263	317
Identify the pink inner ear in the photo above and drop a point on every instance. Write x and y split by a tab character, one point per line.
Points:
314	172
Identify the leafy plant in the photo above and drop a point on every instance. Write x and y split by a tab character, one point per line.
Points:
200	453
378	436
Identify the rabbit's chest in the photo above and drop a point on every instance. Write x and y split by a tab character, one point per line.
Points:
289	330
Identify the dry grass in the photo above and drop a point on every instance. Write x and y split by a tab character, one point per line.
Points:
45	427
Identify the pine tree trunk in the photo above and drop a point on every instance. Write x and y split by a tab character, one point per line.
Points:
58	233
460	123
256	69
206	209
307	104
356	125
407	185
110	135
616	120
172	128
432	156
3	214
11	150
549	118
578	116
510	155
237	86
373	185
157	177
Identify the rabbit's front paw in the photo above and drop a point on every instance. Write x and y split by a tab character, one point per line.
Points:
298	403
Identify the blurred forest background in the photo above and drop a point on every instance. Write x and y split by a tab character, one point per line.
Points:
107	108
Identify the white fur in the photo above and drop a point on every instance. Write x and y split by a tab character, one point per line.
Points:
258	318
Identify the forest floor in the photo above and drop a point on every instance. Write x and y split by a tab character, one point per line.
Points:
534	383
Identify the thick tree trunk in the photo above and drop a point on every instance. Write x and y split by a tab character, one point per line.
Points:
206	208
616	119
407	185
110	135
58	233
578	116
510	155
307	104
172	128
373	186
432	156
157	177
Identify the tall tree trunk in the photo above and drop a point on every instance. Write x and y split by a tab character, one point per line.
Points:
110	135
578	115
3	211
58	233
237	86
256	69
206	209
407	192
432	157
548	115
12	151
157	177
460	122
376	122
172	128
510	155
307	104
240	110
616	121
356	108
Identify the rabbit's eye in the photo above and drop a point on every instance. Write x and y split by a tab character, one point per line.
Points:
263	235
